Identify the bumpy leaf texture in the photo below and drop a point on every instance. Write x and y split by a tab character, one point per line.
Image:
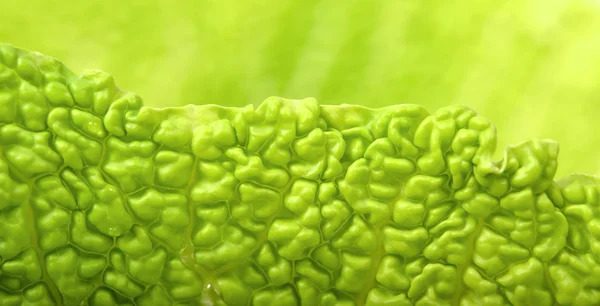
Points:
106	202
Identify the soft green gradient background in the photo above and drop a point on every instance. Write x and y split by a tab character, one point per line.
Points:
532	67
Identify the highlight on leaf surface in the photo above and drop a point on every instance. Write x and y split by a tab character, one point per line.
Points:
106	202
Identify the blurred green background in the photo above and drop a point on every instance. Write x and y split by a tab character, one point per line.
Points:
531	66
